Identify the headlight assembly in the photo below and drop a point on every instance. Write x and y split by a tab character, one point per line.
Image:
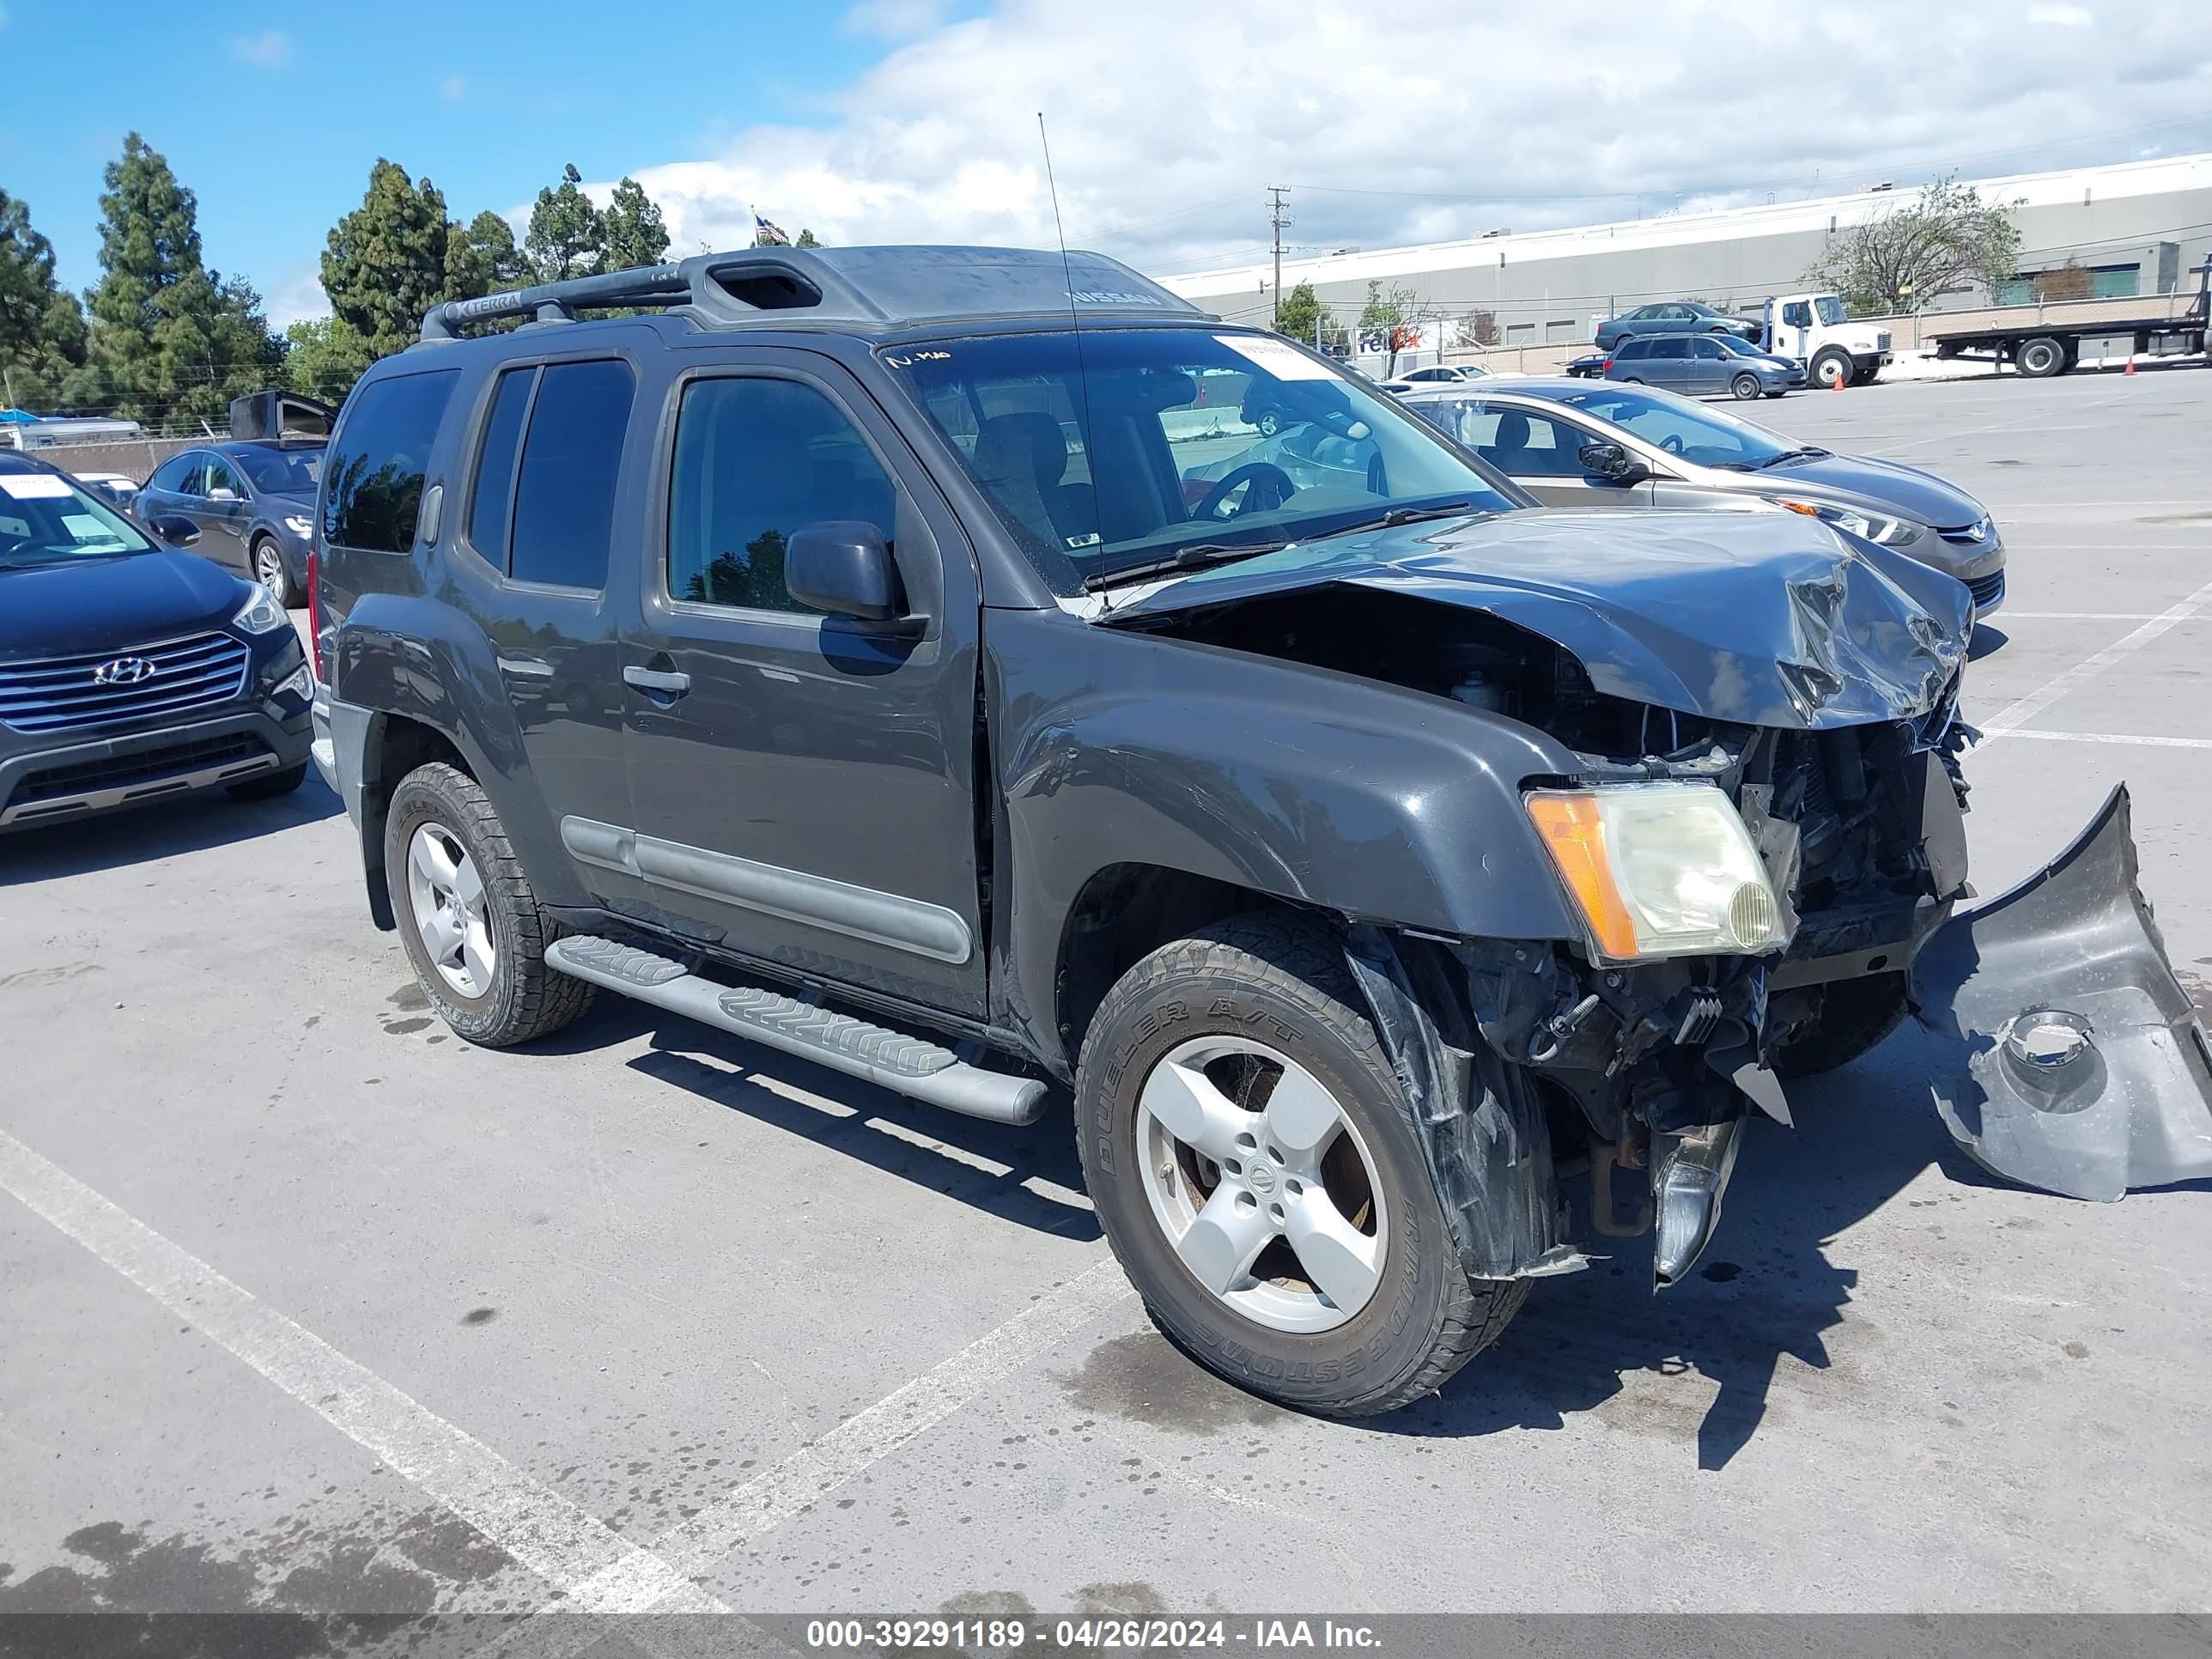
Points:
1868	526
260	614
1660	869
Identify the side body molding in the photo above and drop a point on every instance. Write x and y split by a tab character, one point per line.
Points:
862	913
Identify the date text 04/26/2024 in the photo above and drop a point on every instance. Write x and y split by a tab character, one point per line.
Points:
1090	1634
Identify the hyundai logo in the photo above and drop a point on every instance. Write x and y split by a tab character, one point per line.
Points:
124	670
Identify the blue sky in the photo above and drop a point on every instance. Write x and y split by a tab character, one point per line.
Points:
1391	121
273	114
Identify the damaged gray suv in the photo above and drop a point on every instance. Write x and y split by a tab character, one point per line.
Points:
911	659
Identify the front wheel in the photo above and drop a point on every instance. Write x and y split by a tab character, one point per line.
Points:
269	570
1745	386
1832	369
469	918
1259	1175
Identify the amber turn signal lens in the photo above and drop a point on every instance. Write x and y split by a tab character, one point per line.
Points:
1574	832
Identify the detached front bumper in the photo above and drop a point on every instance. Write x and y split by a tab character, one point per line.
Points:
2075	1062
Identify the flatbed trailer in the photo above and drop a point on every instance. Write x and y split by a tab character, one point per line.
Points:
2040	350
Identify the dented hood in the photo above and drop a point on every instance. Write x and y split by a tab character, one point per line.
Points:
1765	619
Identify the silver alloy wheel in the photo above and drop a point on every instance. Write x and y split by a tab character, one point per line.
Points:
450	912
269	570
1262	1183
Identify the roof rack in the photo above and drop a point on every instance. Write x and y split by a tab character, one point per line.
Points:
871	287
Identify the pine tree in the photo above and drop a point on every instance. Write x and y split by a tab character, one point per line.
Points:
41	325
567	235
170	340
633	232
481	257
384	264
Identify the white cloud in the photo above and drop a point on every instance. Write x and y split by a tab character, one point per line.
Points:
271	49
298	298
2064	17
1168	118
3	17
452	88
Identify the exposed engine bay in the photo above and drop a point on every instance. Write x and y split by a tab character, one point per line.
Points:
1618	1064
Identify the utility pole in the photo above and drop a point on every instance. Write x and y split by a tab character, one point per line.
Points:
1280	222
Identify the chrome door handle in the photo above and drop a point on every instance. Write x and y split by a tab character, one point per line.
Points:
658	681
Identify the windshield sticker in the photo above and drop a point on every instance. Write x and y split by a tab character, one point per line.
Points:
15	527
1277	358
85	528
35	486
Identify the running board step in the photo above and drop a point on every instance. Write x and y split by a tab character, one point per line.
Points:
909	1064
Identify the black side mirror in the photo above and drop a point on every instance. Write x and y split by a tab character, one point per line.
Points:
843	566
177	531
1612	463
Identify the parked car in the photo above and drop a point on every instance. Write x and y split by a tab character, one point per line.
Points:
1570	443
1361	855
1434	375
130	671
1700	365
117	489
1590	366
252	503
1792	369
1676	317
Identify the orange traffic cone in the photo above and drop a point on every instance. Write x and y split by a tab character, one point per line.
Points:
2131	368
1841	380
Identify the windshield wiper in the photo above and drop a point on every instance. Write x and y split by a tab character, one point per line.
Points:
1396	516
1803	452
1183	558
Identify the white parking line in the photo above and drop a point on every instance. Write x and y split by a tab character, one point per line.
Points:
2085	616
2113	737
594	1568
2020	710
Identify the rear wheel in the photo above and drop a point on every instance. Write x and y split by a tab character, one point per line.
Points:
269	570
1259	1175
2039	359
1746	386
468	917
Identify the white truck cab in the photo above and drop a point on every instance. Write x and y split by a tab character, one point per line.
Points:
1817	330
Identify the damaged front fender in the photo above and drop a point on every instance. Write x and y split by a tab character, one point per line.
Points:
2077	1063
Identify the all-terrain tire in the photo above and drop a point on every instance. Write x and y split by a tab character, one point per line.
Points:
269	785
1285	979
1855	1015
527	998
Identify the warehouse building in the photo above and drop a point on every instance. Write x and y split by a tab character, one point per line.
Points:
2137	227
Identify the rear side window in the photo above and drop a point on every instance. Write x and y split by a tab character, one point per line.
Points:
1632	350
564	497
493	494
378	460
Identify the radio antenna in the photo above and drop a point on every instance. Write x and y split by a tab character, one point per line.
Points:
1075	327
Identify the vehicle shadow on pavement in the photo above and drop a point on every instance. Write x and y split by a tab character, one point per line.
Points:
1030	1176
143	833
1697	1362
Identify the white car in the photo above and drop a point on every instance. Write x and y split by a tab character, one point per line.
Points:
1435	374
116	488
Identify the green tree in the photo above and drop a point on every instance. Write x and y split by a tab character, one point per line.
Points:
1301	317
566	235
170	339
384	263
481	257
327	356
806	239
633	232
41	325
1385	312
1914	250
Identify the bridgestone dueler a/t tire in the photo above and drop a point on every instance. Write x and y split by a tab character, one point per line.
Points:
527	998
1285	982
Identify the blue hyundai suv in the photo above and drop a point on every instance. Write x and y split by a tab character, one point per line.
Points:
130	671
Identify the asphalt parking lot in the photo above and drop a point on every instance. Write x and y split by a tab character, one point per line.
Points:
309	1304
